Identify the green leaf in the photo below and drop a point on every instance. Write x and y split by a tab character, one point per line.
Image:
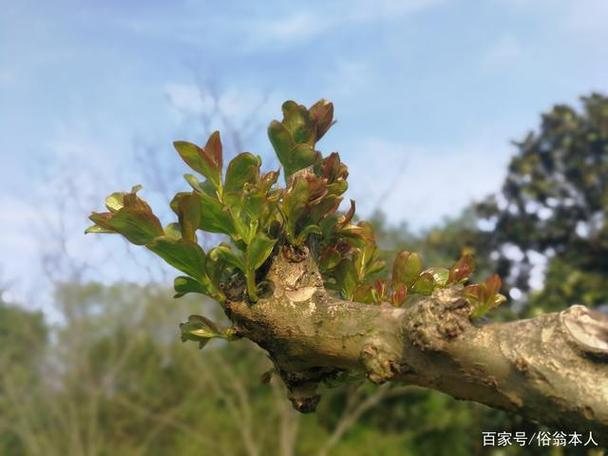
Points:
307	231
115	201
173	231
191	154
406	268
293	156
364	293
255	205
96	229
184	285
424	284
346	278
294	204
130	216
199	329
242	169
206	161
215	218
187	206
137	226
259	250
329	258
297	120
186	256
225	254
485	296
440	276
194	183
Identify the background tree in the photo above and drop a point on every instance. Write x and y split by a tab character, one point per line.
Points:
554	205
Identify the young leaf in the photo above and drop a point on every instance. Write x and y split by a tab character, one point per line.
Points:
187	206
398	295
293	156
215	218
346	277
183	285
297	120
332	168
322	114
130	216
440	276
242	169
406	268
206	161
224	253
462	269
173	231
199	329
259	250
424	284
186	256
307	231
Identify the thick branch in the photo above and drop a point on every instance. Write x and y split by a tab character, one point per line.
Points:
552	369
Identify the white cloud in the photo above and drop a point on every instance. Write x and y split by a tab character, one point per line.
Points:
299	26
188	99
304	25
420	185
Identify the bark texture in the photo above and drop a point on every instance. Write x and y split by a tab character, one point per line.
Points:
552	369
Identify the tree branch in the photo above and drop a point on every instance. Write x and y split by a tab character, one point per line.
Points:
552	369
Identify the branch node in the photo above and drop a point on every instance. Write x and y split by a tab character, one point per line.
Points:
587	330
379	362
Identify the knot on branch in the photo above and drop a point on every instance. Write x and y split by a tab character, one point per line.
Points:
434	321
587	330
380	361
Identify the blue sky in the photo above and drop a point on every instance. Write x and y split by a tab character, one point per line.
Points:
428	94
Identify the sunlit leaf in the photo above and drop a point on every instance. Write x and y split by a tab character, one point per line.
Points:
462	269
187	206
242	169
215	218
406	268
292	155
322	114
440	275
206	161
184	255
259	250
130	216
225	254
424	284
184	285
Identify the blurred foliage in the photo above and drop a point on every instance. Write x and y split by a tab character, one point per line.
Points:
116	380
554	204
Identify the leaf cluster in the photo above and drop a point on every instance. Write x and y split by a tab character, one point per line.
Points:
258	217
